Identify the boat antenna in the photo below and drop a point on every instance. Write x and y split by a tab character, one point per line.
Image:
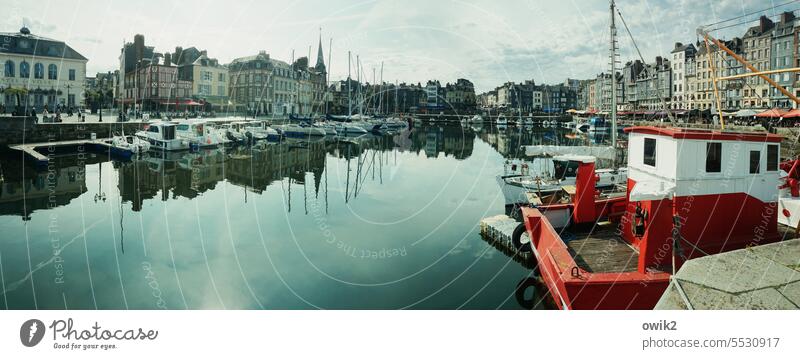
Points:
639	52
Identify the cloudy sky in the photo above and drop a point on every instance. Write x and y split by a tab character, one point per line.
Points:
486	41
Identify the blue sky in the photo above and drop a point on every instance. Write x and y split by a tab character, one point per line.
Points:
488	42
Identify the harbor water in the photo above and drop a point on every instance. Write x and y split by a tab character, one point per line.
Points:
366	223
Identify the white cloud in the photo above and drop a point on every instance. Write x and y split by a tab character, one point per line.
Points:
487	41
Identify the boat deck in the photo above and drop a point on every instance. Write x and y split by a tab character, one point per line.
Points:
602	251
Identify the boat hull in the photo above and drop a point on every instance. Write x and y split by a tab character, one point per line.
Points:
571	287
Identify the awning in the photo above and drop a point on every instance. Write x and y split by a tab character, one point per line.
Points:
773	113
792	114
746	113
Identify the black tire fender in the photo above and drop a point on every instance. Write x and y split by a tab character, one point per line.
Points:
516	239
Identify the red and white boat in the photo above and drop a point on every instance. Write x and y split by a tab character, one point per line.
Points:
690	193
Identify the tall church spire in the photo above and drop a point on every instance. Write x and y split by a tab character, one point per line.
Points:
320	57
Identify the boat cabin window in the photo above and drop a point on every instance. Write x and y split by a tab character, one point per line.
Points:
713	157
772	157
755	162
650	151
183	127
152	129
169	133
563	169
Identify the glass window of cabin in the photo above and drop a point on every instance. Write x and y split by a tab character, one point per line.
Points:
713	157
650	151
755	162
169	133
772	157
152	129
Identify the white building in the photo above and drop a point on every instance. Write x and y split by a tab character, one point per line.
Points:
537	99
681	55
53	73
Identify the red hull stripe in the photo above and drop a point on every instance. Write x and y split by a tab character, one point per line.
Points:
697	134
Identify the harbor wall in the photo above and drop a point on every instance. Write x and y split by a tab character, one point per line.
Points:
18	130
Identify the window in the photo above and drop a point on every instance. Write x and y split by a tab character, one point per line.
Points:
9	68
221	77
52	72
772	157
755	162
71	74
152	129
24	70
713	157
650	151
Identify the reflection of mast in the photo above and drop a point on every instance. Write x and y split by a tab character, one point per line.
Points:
305	192
347	183
121	229
100	194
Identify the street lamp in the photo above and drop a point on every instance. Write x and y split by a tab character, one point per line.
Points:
100	108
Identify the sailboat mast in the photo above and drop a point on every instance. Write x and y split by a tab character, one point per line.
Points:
613	59
380	99
349	92
358	77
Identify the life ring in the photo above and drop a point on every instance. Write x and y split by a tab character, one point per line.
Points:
516	239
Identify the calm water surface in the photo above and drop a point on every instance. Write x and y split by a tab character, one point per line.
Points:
387	222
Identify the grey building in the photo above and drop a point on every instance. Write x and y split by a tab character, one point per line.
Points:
782	57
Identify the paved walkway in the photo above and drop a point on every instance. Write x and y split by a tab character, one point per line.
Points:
762	277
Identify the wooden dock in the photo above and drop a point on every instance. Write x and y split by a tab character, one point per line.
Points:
34	151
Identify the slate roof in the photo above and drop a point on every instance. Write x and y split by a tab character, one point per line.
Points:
24	43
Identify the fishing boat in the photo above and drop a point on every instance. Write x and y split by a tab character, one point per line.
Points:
689	193
199	132
260	130
231	133
122	146
328	127
519	180
349	129
162	136
598	125
299	130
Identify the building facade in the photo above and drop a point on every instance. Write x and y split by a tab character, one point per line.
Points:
40	73
756	46
680	58
782	56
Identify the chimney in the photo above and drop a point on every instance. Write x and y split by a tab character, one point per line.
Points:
764	23
678	45
167	59
787	16
138	45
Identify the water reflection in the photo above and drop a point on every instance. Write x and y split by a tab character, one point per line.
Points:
371	222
